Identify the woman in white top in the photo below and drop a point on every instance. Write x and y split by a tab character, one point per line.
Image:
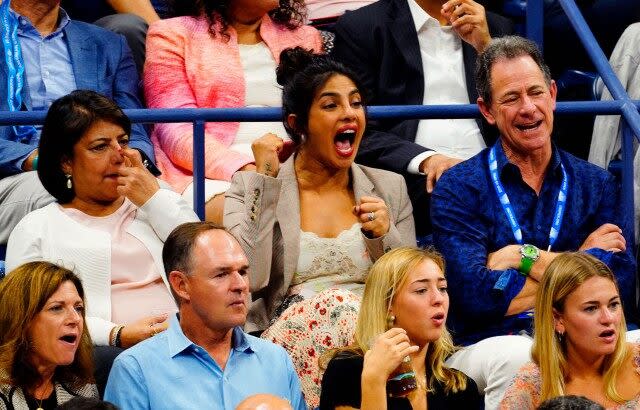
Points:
317	221
109	222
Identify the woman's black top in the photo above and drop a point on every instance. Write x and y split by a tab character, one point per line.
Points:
341	387
49	403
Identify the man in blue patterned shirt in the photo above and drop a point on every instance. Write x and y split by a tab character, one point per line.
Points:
501	217
203	360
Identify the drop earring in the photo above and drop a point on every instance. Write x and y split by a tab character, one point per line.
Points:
69	183
391	319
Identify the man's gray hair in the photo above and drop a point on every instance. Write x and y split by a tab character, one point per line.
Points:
508	47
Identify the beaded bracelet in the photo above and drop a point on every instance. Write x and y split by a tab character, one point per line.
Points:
115	336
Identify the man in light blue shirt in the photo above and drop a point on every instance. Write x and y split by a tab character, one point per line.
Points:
204	359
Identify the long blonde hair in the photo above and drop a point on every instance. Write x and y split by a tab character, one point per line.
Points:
386	276
561	278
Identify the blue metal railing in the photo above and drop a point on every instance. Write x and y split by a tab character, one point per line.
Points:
535	18
199	116
631	117
620	105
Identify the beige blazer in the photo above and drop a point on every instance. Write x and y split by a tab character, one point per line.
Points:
263	213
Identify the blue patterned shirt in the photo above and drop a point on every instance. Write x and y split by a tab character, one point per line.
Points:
169	371
469	223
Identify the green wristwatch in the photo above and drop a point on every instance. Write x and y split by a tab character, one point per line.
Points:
529	254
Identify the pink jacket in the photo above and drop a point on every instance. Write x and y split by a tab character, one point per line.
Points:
188	68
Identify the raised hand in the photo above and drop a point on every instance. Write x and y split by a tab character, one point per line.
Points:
374	216
266	150
135	181
386	354
469	20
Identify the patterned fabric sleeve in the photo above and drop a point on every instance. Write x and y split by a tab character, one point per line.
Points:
524	391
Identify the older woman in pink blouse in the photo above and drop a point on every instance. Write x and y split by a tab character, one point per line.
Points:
108	223
219	54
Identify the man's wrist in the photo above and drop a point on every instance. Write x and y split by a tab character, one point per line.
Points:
529	255
418	162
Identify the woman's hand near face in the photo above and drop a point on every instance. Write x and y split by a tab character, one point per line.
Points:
385	355
135	181
374	216
136	332
265	151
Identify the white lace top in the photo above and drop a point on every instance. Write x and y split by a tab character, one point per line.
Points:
342	261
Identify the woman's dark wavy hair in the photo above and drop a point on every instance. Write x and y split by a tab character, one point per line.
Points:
302	73
290	13
68	119
23	294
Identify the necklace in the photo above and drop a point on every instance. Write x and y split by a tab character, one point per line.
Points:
40	401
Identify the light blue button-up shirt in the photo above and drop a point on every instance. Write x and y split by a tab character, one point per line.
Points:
47	63
168	371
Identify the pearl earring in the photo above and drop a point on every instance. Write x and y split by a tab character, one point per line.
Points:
69	183
391	319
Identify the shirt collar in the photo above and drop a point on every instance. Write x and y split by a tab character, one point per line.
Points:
502	160
178	342
63	20
420	17
176	339
242	343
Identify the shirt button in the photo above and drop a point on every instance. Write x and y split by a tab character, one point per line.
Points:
538	227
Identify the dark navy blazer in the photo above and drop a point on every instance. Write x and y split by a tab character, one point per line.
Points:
380	43
101	62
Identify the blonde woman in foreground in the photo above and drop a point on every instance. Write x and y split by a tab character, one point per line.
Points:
579	344
403	313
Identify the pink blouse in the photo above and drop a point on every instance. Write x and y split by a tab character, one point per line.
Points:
186	67
137	289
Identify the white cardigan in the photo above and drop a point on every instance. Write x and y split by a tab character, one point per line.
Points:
50	234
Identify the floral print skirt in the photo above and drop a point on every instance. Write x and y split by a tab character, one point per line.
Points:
309	327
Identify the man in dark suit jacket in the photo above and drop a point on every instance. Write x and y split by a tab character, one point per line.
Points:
99	59
381	43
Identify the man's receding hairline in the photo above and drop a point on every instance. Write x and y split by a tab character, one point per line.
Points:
227	250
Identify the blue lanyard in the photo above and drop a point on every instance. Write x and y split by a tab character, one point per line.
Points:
561	202
15	66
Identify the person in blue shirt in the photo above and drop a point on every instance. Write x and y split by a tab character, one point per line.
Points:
502	216
204	359
50	56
